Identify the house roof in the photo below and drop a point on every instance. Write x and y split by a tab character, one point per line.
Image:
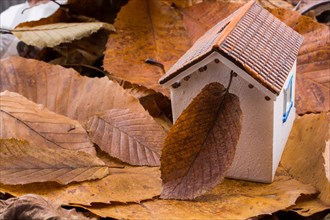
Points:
252	38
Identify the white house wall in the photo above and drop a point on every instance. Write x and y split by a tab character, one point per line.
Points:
282	129
253	159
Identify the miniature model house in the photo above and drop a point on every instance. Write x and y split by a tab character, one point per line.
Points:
262	51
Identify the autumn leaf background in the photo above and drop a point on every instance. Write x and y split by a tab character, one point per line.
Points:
84	122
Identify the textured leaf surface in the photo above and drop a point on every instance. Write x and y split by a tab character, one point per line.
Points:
313	78
232	199
145	29
23	163
130	184
201	145
50	35
35	207
63	90
303	155
132	137
23	119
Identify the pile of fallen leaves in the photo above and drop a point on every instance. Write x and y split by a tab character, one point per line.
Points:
84	120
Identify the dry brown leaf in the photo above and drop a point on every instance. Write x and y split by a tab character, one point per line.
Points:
150	30
133	137
45	129
200	18
50	35
313	78
23	163
131	184
63	90
35	207
201	145
303	154
232	199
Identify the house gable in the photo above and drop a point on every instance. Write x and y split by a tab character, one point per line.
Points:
253	39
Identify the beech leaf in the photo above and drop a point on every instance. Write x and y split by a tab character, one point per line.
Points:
132	137
63	90
50	35
146	30
129	184
26	120
201	145
232	199
23	163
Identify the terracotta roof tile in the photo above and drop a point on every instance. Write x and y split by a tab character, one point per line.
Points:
252	38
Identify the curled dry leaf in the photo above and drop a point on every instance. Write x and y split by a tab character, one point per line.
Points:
201	145
303	154
313	78
43	128
130	184
35	207
231	199
145	30
133	137
50	35
23	163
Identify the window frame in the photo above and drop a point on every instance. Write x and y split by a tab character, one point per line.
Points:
288	101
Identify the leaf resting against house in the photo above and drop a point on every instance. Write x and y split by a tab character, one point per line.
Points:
263	51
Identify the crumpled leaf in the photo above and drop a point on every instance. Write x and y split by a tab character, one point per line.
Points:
313	8
201	145
35	207
133	137
63	90
23	163
313	78
129	184
50	35
145	30
232	199
308	207
26	120
303	154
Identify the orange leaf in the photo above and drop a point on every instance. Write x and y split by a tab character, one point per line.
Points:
200	146
146	29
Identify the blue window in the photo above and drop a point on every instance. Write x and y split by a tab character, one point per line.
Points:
288	100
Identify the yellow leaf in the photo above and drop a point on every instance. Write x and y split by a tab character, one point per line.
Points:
23	163
50	35
303	154
231	199
131	184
